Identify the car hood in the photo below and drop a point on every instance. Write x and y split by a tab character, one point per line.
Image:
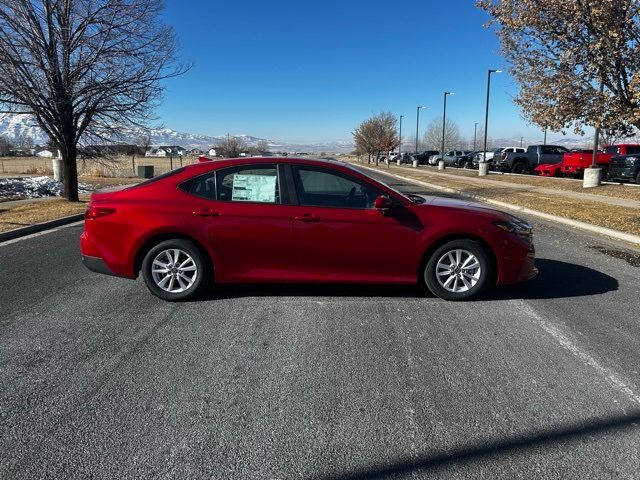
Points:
466	205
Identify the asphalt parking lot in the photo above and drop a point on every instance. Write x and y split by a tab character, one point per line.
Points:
99	379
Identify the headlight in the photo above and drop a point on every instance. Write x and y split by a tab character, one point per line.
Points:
516	226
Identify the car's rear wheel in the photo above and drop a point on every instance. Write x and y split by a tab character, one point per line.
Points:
458	270
638	178
519	167
174	270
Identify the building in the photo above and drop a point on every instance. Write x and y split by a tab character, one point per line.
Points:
166	151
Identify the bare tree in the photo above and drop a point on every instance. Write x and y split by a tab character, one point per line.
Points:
231	147
5	145
262	146
84	68
23	140
143	142
433	135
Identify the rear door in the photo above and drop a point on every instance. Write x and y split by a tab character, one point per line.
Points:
339	236
244	215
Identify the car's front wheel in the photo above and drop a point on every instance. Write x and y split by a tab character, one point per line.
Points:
519	167
174	270
458	270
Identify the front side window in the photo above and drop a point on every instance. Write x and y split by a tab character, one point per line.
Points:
321	188
248	184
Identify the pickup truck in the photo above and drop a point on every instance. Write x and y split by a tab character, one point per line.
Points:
574	162
625	167
517	162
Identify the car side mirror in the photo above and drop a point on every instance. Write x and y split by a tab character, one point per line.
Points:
382	203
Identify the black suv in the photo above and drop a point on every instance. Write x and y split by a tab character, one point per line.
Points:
625	167
423	158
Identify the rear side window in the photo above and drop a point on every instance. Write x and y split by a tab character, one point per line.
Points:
204	186
633	150
248	184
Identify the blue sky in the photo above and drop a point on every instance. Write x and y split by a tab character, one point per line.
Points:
311	71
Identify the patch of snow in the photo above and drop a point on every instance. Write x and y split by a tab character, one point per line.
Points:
35	187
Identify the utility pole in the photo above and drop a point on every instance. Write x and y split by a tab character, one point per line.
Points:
475	130
444	122
417	124
486	113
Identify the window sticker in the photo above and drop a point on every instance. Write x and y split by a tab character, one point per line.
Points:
254	188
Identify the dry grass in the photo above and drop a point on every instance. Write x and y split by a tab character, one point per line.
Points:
38	212
102	182
618	218
619	191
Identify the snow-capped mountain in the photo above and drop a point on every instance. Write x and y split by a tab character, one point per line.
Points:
20	125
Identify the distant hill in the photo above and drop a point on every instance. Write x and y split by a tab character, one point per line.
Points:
13	126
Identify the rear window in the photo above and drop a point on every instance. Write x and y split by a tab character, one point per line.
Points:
612	149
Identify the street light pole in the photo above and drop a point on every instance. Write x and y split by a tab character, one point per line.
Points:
444	122
486	113
475	130
417	124
400	140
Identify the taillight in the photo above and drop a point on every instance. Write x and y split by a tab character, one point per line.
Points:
94	212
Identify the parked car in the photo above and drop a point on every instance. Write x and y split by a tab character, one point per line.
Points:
575	161
295	220
625	168
518	162
423	157
572	157
405	157
451	158
500	150
466	160
478	157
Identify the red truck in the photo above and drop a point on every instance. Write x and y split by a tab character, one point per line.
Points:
574	162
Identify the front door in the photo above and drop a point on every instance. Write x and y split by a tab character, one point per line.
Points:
240	213
339	236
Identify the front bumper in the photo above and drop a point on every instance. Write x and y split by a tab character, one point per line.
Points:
622	173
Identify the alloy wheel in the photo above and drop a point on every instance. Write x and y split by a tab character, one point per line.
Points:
174	270
458	270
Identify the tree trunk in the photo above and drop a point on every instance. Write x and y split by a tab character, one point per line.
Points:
70	174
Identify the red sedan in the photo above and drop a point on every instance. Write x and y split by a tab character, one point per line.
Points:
298	220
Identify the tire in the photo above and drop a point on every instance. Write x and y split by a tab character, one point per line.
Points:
519	167
467	165
444	282
638	178
186	281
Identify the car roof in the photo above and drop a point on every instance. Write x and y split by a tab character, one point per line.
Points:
203	166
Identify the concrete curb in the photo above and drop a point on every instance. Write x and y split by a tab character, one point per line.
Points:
627	237
39	227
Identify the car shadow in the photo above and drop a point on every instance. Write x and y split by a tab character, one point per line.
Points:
489	450
556	279
314	290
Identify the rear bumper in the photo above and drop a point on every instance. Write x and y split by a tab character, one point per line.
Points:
96	264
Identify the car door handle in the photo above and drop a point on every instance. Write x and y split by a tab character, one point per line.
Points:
307	218
206	212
